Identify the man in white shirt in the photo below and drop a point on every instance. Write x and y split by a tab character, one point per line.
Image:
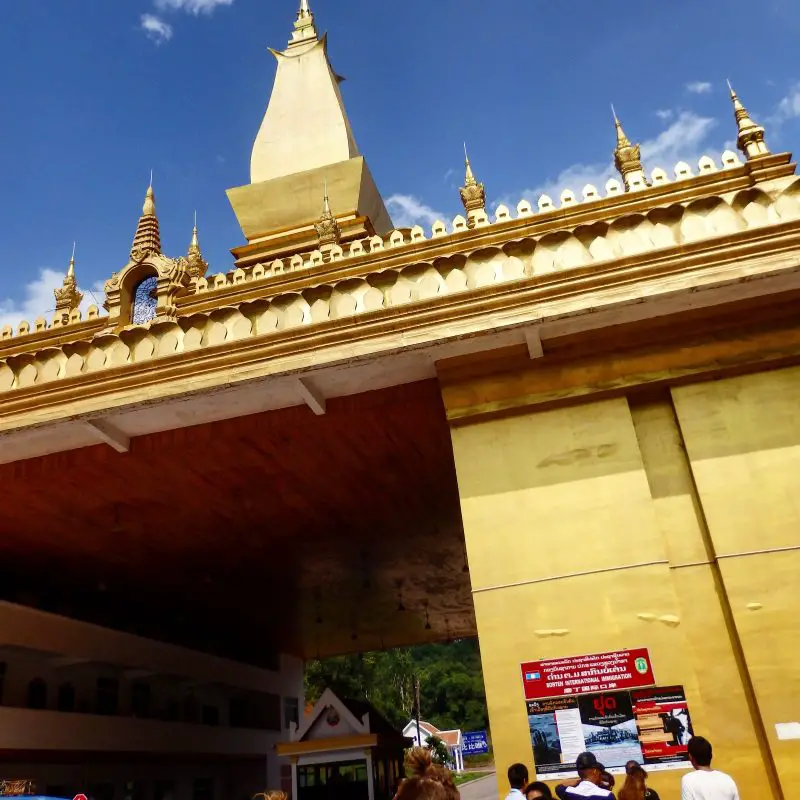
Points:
706	783
518	779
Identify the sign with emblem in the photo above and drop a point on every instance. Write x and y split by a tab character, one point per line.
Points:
599	672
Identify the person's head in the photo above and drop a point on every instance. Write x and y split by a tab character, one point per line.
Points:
427	781
517	776
631	766
700	752
589	768
634	787
537	790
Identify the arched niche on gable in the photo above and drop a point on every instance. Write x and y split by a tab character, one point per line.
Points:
146	290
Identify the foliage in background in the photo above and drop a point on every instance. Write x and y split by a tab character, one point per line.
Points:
438	750
451	683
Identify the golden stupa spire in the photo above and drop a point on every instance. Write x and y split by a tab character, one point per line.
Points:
68	298
627	158
327	228
473	194
194	256
147	239
751	136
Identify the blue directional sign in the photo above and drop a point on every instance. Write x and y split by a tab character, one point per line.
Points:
474	743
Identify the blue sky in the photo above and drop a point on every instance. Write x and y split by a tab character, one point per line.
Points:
92	100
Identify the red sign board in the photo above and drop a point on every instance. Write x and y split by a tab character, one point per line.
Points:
600	672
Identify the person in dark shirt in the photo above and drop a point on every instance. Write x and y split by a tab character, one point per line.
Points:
589	782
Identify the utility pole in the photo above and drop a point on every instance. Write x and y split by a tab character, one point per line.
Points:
416	709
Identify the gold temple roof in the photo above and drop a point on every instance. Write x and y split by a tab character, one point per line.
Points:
337	271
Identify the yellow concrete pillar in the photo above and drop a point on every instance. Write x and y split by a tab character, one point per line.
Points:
742	437
573	543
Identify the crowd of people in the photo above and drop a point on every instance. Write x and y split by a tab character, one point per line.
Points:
593	781
427	780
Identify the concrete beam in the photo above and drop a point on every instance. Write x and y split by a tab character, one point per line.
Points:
312	396
108	434
62	662
533	338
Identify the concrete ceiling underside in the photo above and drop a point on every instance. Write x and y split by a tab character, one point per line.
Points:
279	531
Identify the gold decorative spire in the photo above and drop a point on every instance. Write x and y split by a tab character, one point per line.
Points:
751	136
304	29
327	228
473	194
627	158
194	257
147	240
68	298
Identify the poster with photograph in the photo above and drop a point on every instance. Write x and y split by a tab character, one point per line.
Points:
651	726
609	728
664	725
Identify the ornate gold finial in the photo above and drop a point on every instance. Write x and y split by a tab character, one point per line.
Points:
194	256
68	298
751	136
627	158
147	239
304	29
473	194
327	228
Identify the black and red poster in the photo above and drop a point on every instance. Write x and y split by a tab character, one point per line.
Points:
651	726
663	722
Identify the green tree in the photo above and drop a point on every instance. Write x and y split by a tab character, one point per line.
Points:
438	750
451	683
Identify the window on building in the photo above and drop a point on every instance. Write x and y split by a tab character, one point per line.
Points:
210	715
140	700
107	696
66	697
172	713
144	301
101	791
164	790
256	710
191	710
135	790
203	789
37	694
291	711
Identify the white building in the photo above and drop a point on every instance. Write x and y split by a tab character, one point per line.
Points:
452	740
118	717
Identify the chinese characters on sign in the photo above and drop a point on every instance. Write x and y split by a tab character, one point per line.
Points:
601	672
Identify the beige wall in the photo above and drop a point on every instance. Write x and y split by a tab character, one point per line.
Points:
585	533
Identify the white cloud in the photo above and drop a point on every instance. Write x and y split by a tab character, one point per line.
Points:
789	106
39	300
698	87
665	114
156	29
407	211
682	140
195	7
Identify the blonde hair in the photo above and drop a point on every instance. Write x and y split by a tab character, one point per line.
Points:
273	794
428	781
